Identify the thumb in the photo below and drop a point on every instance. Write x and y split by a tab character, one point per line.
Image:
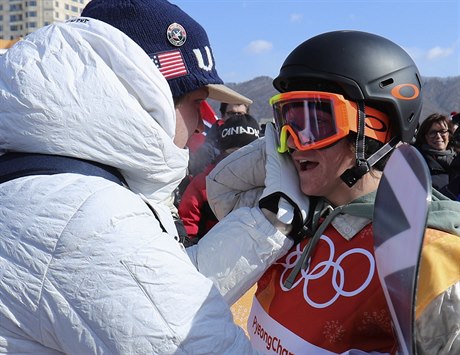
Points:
285	211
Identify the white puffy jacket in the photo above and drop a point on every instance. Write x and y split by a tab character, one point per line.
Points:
85	267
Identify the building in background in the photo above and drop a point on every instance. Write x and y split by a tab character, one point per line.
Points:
18	18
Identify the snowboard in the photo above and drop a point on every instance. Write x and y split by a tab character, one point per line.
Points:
399	222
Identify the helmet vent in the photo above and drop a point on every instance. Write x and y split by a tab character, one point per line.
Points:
411	117
386	82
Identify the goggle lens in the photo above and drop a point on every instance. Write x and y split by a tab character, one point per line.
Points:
311	120
314	120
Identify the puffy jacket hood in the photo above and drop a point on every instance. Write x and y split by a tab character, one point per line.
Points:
84	89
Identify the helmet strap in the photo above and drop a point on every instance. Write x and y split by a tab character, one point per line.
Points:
363	165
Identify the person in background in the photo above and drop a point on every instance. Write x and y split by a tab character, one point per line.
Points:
455	119
454	176
93	125
236	131
347	98
209	117
209	150
433	141
228	110
456	141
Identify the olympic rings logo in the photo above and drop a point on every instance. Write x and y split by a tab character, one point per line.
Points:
338	273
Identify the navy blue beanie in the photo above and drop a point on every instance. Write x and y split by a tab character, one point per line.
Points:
176	43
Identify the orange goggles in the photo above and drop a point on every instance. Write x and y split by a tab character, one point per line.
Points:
316	119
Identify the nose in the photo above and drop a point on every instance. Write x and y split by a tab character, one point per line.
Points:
199	125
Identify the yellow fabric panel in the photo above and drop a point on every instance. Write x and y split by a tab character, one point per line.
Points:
241	308
439	266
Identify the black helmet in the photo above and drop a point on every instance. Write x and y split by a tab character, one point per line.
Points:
360	66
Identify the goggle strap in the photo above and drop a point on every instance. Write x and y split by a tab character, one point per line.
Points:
362	167
379	154
352	175
360	137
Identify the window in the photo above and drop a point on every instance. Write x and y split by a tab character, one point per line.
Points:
15	27
16	7
14	18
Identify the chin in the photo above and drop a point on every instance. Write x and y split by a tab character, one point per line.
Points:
310	190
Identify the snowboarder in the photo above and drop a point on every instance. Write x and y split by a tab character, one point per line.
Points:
347	98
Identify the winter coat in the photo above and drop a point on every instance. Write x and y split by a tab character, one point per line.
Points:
439	163
86	266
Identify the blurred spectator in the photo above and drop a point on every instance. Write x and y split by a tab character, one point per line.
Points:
433	141
455	118
262	129
235	132
209	150
209	117
456	141
454	178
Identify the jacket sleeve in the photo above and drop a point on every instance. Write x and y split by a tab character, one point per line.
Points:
236	251
438	328
438	295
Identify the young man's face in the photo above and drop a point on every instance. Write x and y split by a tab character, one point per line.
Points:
320	169
188	116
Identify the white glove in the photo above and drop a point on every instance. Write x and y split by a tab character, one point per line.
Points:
258	174
282	194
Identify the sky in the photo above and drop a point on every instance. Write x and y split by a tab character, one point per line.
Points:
252	38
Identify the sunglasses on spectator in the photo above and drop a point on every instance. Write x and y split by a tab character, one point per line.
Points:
442	132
